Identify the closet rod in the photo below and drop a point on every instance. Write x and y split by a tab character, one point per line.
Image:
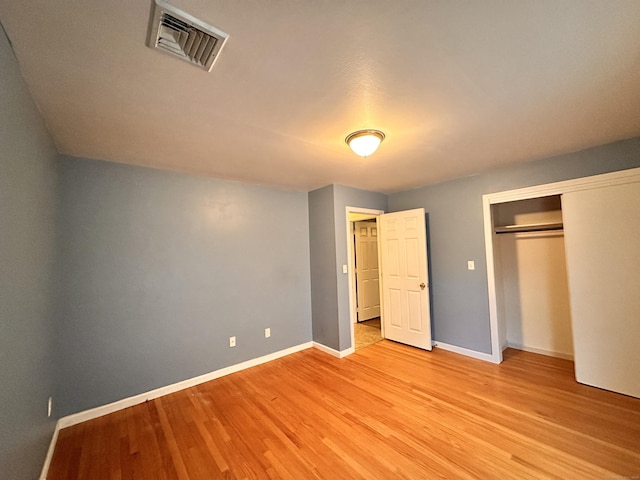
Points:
539	227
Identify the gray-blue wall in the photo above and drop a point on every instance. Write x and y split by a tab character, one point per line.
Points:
328	249
322	249
150	272
158	269
27	248
460	297
344	197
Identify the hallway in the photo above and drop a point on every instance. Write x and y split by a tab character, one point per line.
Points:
367	333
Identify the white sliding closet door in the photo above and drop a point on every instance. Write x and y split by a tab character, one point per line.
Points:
602	241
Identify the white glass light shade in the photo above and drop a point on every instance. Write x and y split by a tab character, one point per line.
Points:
364	142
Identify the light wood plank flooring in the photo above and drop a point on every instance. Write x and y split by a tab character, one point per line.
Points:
387	411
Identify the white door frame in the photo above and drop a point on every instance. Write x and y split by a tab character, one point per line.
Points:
557	188
351	262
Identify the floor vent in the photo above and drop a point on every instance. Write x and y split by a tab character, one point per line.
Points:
177	33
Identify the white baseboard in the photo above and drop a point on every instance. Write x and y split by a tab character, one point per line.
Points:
159	392
80	417
465	351
331	351
549	353
52	447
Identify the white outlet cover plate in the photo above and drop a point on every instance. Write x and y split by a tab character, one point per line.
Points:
471	265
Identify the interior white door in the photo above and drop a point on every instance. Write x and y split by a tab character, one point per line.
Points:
602	228
367	276
405	289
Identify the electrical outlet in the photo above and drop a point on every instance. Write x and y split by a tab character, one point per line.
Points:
345	269
232	341
267	332
471	265
49	406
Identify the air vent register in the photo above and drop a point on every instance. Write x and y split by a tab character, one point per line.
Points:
177	33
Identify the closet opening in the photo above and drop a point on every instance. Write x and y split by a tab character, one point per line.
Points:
532	292
600	227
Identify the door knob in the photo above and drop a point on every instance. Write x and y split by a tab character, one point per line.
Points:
422	286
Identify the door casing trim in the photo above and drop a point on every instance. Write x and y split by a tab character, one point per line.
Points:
351	273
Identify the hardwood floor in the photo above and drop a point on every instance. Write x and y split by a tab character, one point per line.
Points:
387	411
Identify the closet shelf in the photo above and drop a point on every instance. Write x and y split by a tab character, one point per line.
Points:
537	227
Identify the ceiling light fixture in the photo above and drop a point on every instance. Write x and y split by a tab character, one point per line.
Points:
364	142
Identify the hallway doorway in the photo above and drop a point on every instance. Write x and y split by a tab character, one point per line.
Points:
367	333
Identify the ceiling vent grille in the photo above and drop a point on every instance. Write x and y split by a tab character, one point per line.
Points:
177	33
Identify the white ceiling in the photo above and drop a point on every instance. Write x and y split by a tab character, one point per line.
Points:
458	87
